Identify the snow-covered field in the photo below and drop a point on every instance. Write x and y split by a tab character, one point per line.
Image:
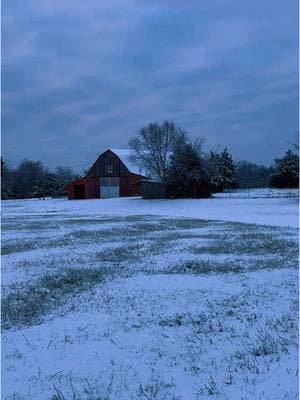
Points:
136	299
261	206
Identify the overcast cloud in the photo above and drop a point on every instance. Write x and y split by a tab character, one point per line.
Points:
82	76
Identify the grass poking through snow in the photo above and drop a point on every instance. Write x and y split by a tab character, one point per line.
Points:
27	304
154	308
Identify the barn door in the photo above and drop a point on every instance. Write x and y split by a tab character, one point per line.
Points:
109	187
79	192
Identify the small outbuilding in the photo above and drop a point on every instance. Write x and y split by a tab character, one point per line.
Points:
151	189
112	175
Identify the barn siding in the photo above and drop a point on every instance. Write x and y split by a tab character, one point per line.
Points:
135	190
91	188
94	188
124	186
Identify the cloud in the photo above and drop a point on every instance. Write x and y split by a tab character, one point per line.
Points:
221	38
92	73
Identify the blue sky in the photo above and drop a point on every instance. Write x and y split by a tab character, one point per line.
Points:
82	76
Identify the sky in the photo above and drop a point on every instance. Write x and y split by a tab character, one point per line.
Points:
79	77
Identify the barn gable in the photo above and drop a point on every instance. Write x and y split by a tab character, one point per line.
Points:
108	164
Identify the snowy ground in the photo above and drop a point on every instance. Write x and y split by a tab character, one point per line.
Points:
261	206
131	299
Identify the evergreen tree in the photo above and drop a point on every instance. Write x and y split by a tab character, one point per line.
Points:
49	185
64	175
214	168
286	171
228	169
222	171
186	175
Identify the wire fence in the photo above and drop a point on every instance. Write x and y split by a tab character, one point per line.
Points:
259	193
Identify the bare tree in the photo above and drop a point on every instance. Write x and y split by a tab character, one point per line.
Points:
152	147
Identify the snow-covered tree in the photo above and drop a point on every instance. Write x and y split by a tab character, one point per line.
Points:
64	175
213	165
286	171
186	175
49	185
228	170
222	170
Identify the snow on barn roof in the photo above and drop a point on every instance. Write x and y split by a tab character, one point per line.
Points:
124	155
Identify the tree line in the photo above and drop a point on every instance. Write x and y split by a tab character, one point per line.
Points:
168	154
31	179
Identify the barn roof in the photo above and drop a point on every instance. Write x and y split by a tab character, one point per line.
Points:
124	156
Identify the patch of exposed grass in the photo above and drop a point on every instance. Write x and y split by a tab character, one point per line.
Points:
246	244
235	266
252	227
284	324
91	221
120	254
190	223
86	236
17	246
235	300
109	220
156	389
167	241
266	344
27	304
72	239
38	223
114	233
100	236
204	267
174	321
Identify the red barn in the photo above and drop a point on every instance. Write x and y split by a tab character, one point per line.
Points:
111	175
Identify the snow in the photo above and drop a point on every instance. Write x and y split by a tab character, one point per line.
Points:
137	334
275	211
153	328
